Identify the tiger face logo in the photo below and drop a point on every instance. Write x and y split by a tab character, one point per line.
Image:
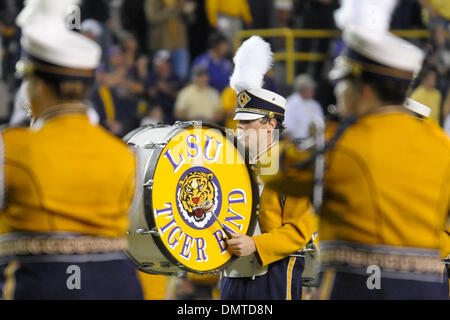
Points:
194	189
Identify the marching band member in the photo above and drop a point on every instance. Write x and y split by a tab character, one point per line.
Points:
387	179
424	112
67	185
272	264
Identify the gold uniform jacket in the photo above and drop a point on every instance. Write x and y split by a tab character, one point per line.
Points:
387	182
67	176
287	223
286	228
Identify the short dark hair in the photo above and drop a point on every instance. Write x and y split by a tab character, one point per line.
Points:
216	39
429	69
280	127
200	70
389	91
66	89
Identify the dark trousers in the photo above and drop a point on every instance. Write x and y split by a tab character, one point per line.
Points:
351	286
283	281
447	281
70	278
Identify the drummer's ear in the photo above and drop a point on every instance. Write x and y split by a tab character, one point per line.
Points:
273	123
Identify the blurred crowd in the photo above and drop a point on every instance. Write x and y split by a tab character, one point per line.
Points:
169	60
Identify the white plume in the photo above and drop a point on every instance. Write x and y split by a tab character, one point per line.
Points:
252	61
50	9
371	14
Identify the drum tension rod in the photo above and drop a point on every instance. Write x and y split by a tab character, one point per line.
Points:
144	231
153	145
149	184
132	145
193	123
147	265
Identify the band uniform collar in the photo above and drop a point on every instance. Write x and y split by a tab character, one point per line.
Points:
56	111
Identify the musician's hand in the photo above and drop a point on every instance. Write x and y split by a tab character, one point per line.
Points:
241	245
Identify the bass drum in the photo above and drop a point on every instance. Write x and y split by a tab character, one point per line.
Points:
184	168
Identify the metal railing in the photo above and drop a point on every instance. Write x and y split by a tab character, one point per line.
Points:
290	56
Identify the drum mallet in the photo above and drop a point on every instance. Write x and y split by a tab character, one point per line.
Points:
207	207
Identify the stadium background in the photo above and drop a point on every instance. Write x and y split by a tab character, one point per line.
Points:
168	60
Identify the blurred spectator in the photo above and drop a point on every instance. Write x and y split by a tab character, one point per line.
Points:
97	10
155	25
164	85
284	10
167	28
9	47
130	48
199	101
114	24
437	11
94	30
427	94
117	95
4	103
215	60
154	116
301	108
407	15
133	20
199	31
228	16
262	13
316	14
439	57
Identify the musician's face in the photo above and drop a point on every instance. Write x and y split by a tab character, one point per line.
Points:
256	134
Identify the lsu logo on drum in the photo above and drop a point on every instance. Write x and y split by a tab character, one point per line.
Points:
194	185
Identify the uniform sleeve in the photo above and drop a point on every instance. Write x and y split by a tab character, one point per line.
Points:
211	11
246	14
298	224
